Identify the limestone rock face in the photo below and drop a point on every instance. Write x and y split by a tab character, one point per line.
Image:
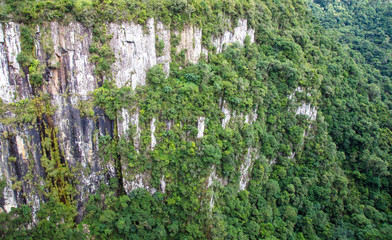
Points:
134	49
200	126
190	42
238	35
75	73
163	34
63	51
20	166
7	86
14	83
246	168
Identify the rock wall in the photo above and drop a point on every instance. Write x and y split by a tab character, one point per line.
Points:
238	35
64	52
7	87
135	53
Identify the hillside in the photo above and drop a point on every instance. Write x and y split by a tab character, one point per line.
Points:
175	119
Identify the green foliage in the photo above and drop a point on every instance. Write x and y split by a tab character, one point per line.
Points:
111	99
26	56
327	178
55	221
36	78
160	46
101	54
137	216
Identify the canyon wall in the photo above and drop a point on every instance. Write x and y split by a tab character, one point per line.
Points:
69	79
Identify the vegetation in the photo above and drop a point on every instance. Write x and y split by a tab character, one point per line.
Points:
327	178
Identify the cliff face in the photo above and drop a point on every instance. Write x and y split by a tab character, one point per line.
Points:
69	78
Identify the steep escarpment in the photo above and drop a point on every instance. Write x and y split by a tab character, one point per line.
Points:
63	51
188	120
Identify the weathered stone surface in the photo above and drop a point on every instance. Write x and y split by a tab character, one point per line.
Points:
75	73
227	113
238	35
17	84
213	177
200	126
134	50
246	168
153	138
191	43
163	34
7	90
20	167
69	78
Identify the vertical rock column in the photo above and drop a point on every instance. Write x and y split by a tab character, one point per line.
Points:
7	85
19	146
135	53
70	77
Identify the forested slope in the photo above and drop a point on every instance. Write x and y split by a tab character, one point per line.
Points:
283	133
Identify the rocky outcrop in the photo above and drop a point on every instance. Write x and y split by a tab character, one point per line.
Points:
141	180
20	167
153	138
226	112
7	86
72	71
245	170
191	40
191	43
200	126
63	51
134	49
305	108
214	178
239	33
163	57
70	78
14	81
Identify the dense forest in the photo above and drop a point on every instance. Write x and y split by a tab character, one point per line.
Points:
324	177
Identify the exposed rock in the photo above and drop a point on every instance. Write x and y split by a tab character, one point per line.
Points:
134	50
127	119
211	178
79	144
135	122
9	196
24	171
227	113
7	90
152	129
169	124
304	109
200	126
140	180
238	35
69	78
163	34
246	169
12	43
191	43
123	123
307	109
1	33
250	119
209	183
163	184
70	81
75	73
